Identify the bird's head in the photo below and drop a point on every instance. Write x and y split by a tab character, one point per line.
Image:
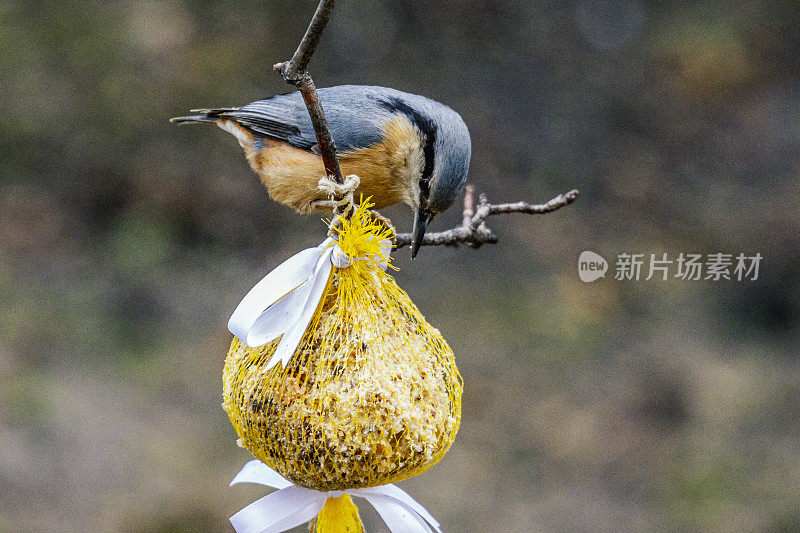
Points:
447	149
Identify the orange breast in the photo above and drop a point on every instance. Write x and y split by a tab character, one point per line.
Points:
389	171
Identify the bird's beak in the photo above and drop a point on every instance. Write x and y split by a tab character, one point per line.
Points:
421	218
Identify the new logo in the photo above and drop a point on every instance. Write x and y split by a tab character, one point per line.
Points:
591	266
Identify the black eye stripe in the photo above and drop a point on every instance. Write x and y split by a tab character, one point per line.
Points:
424	188
428	129
427	150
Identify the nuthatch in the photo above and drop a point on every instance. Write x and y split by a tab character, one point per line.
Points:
405	148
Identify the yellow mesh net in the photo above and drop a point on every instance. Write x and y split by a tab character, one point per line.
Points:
339	515
371	395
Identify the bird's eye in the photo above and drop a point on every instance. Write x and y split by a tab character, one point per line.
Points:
424	186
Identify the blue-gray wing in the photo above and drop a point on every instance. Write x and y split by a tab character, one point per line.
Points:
356	115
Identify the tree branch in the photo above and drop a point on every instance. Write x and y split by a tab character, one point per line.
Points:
473	230
295	73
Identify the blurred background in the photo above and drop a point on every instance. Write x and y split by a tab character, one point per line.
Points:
126	242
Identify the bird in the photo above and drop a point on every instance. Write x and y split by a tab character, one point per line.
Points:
405	148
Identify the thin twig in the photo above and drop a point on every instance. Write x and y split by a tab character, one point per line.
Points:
473	230
469	204
295	73
294	69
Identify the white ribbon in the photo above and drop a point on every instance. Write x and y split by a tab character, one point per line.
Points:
291	506
285	300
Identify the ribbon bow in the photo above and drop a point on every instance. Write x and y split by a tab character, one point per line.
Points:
291	505
284	301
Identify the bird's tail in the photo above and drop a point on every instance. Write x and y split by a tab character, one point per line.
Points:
203	115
